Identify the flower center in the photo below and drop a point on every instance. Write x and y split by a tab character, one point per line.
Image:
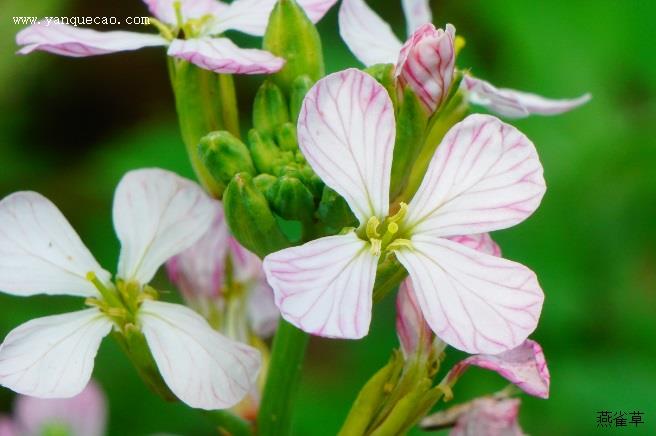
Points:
387	236
120	301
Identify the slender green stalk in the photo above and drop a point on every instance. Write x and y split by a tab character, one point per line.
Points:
230	423
283	380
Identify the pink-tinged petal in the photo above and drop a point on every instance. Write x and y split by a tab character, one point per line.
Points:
524	366
484	176
7	427
417	13
198	272
411	327
263	313
157	214
85	414
40	252
202	368
252	16
426	64
489	417
164	10
221	55
516	104
72	41
368	37
52	357
324	287
473	301
346	130
481	242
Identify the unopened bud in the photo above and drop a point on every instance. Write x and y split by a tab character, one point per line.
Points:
269	109
300	88
292	36
292	200
249	217
224	156
286	138
334	211
264	152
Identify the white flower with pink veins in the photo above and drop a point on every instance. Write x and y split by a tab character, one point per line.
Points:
157	214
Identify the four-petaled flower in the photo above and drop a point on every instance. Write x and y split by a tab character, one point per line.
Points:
156	215
225	282
485	176
426	61
190	28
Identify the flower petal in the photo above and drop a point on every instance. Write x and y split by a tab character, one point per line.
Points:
157	214
484	176
411	327
426	64
252	16
368	37
523	366
85	414
40	252
7	427
325	287
221	55
516	104
489	416
202	368
52	357
346	131
72	41
164	10
263	313
473	301
481	242
417	13
198	272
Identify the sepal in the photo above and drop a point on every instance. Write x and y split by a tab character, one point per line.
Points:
269	109
292	200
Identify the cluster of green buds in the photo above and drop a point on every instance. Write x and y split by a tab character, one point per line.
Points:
273	198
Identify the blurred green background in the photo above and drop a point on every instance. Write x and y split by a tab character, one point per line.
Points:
69	128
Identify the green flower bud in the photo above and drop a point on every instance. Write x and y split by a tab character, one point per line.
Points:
269	109
334	211
286	138
224	156
292	200
411	124
249	217
264	152
263	183
300	87
292	36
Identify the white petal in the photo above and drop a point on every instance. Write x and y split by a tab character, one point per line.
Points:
481	242
252	16
164	10
40	252
202	368
157	214
417	13
52	357
72	41
523	366
221	55
325	286
368	37
346	131
516	104
83	415
473	301
484	176
263	313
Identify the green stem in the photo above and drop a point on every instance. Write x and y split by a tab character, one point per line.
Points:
283	380
205	102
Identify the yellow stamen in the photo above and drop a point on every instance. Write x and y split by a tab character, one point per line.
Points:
372	227
398	244
376	245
